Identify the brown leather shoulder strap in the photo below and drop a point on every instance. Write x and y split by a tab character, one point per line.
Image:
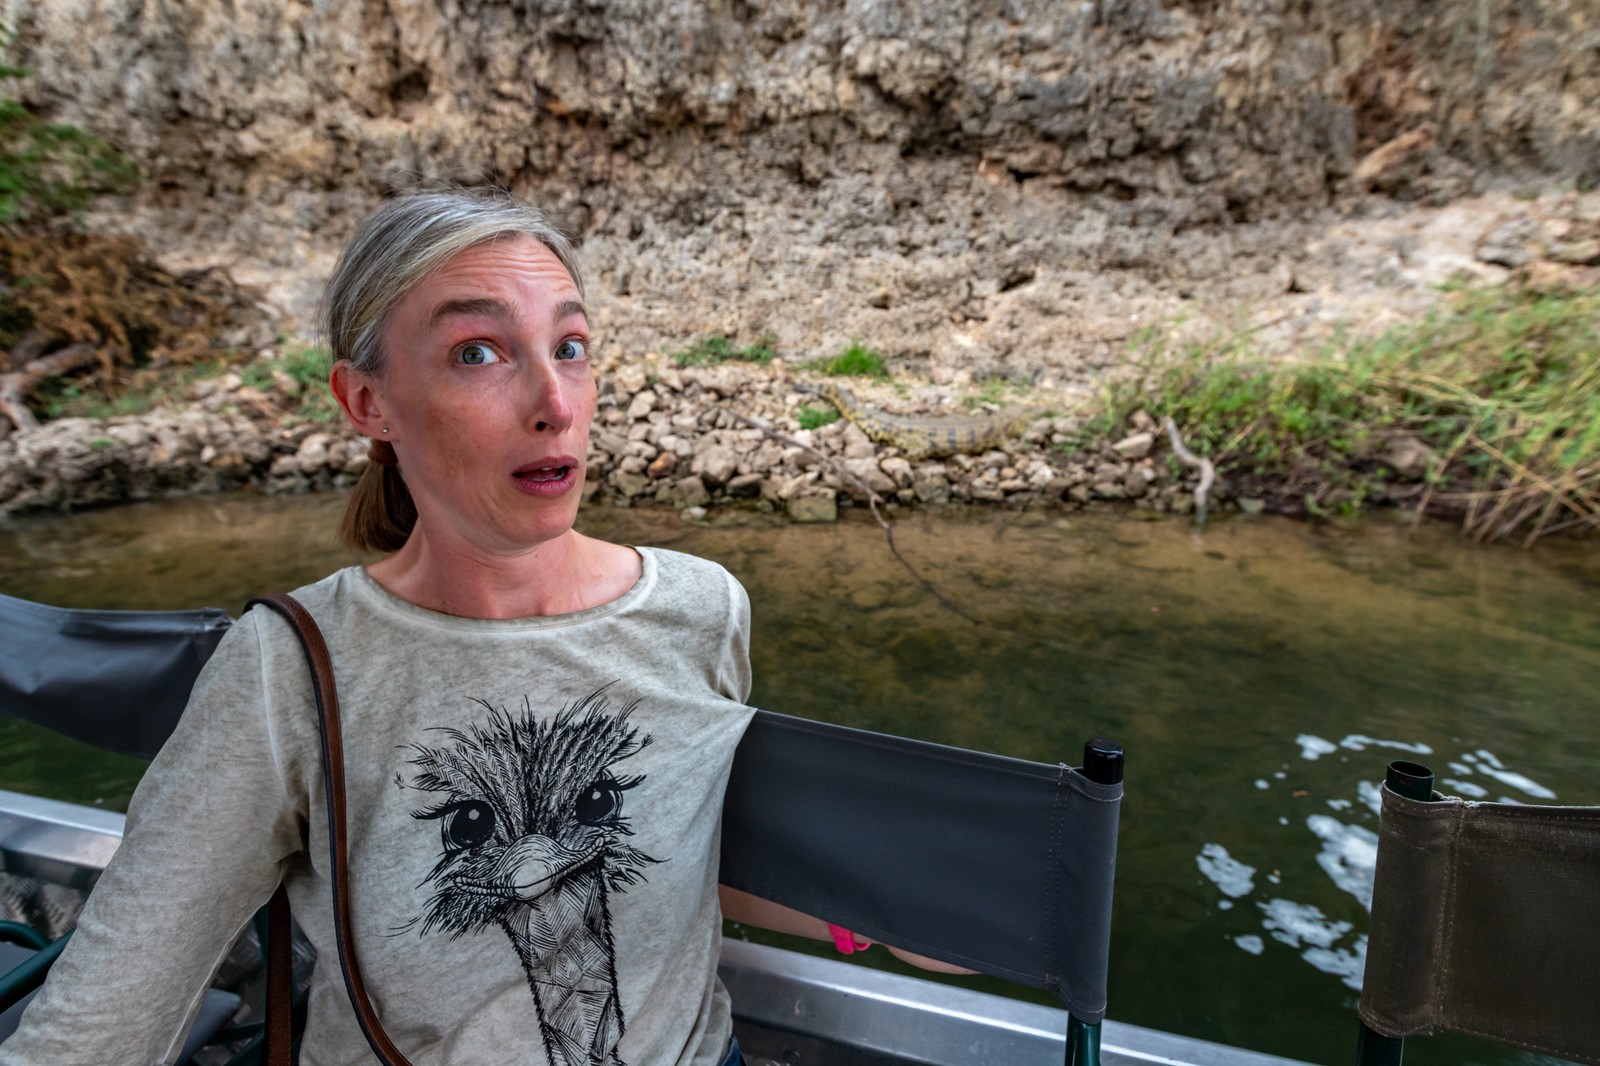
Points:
276	1049
327	697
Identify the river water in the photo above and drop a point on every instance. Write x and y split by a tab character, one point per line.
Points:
1260	674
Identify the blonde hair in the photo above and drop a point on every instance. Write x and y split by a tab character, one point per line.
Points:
393	250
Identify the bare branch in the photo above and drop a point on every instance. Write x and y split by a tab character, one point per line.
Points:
15	386
29	348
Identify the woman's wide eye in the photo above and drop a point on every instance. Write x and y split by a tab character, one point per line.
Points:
600	803
571	349
477	355
467	825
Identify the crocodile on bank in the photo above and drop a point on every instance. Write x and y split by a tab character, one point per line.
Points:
927	436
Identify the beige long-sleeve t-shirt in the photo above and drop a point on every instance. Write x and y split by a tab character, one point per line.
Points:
533	816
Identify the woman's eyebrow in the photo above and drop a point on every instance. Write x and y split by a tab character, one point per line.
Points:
476	305
495	308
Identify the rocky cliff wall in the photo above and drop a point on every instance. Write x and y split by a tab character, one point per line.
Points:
995	185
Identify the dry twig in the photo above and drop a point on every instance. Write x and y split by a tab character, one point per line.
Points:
1208	472
873	499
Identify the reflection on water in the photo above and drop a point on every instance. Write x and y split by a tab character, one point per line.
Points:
1261	675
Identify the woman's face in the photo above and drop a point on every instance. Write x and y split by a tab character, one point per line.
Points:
487	395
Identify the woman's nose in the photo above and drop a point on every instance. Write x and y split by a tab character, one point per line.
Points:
550	406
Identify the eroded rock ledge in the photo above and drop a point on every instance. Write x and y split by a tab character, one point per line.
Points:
1012	188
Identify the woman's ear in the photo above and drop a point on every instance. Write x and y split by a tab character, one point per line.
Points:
357	393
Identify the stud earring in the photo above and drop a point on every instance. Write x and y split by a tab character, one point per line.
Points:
386	430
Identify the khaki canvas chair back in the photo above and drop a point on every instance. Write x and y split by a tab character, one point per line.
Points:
1485	921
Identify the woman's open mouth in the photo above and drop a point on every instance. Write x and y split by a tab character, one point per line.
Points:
551	477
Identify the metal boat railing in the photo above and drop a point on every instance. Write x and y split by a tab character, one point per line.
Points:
788	1007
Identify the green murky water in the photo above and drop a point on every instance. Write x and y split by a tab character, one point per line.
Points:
1260	674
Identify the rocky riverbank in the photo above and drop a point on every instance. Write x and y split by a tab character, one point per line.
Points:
682	437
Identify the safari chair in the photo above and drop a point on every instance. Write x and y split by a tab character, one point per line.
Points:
1485	921
995	864
117	680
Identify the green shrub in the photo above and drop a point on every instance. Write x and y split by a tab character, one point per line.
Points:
49	169
307	367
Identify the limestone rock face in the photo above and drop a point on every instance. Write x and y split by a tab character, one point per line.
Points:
946	178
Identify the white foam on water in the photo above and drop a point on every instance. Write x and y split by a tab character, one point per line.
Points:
1527	785
1313	747
1359	742
1370	794
1261	783
1461	768
1232	877
1297	924
1339	805
1490	766
1224	904
1348	966
1251	943
1465	788
1349	855
1305	928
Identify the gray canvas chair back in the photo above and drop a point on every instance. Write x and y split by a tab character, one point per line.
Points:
1485	920
115	679
992	863
118	680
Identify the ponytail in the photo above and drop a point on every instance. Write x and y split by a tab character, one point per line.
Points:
381	513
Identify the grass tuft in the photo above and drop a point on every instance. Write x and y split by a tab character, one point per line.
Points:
1502	386
718	348
307	368
50	169
855	361
811	417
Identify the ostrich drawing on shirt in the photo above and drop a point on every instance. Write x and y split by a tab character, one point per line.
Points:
534	841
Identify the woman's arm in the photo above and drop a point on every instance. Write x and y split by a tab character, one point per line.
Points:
208	829
746	909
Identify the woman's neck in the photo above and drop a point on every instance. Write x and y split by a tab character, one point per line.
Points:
569	573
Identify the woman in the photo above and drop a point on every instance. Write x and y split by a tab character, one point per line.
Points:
538	725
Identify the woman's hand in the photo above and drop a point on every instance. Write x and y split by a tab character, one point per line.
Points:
746	909
926	963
